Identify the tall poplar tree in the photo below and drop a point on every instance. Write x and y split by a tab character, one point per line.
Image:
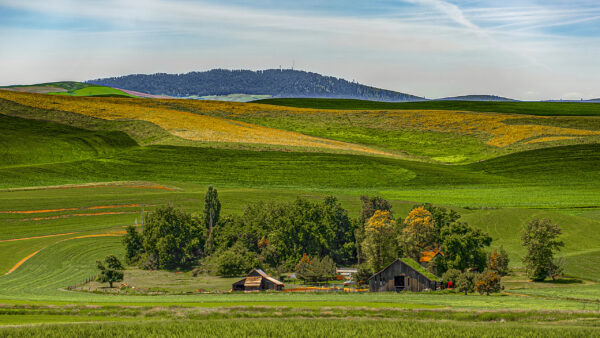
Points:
212	210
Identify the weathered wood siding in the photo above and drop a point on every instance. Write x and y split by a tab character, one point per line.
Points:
413	280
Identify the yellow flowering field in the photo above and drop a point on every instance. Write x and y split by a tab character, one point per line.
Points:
489	125
183	124
215	121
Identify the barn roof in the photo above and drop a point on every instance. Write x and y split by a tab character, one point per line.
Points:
415	266
265	276
427	256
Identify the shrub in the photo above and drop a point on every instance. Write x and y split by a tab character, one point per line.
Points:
465	282
487	282
498	261
363	274
450	275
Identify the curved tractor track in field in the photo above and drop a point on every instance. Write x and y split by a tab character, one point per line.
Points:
22	261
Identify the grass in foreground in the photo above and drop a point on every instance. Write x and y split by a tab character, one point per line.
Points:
303	328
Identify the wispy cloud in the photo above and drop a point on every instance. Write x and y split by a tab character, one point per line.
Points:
428	47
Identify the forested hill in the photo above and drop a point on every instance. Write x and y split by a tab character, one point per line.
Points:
273	82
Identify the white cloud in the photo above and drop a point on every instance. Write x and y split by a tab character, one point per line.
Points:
448	51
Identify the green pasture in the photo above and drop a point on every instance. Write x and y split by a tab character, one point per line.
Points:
43	278
589	293
379	132
77	89
26	142
41	148
95	90
529	108
301	328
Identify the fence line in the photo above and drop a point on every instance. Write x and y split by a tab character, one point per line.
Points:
87	280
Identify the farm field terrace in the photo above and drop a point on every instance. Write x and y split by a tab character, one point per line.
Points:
65	204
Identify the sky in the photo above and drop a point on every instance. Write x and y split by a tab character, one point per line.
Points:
528	50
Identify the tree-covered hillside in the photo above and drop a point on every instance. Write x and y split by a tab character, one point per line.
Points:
274	82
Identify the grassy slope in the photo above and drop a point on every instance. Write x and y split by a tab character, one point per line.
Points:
416	181
396	179
70	262
580	235
346	175
26	142
573	163
97	91
530	108
77	89
377	131
142	132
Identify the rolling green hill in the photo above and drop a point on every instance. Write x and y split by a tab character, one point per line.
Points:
27	142
530	108
70	88
498	189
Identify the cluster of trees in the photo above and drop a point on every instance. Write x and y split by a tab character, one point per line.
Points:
313	237
274	82
273	236
426	228
485	282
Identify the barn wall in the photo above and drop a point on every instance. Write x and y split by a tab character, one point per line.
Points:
414	281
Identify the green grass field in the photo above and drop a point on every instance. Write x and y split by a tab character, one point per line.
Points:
136	164
530	108
302	328
72	89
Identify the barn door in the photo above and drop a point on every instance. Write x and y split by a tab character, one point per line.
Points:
399	283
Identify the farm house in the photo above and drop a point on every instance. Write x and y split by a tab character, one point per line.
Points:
257	280
404	274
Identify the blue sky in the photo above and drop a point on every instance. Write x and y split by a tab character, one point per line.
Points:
434	48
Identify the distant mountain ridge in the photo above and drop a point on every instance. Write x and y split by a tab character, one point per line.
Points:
476	98
274	82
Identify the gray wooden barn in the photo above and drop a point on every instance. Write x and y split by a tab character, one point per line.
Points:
257	280
404	274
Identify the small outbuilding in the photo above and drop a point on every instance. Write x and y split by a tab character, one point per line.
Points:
404	274
257	280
